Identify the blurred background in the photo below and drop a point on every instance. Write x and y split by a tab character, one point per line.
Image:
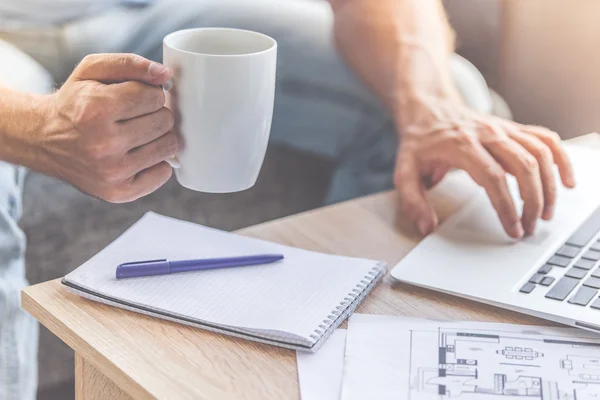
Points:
541	56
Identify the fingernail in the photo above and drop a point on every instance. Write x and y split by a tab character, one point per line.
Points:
517	230
423	226
168	85
548	213
156	69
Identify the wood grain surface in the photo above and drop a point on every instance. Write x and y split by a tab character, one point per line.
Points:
127	353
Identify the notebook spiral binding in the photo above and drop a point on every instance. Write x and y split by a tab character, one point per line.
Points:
348	305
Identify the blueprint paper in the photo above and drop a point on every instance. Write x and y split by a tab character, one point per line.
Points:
320	374
394	358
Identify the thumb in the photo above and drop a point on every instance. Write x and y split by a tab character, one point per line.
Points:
115	68
415	204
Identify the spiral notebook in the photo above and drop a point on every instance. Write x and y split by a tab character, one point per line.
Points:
295	303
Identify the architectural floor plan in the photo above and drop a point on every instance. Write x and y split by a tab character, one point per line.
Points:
400	358
473	364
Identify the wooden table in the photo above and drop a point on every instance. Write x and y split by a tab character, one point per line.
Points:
123	355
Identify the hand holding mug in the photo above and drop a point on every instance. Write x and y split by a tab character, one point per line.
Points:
108	132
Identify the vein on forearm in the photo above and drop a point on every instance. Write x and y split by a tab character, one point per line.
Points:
20	122
396	46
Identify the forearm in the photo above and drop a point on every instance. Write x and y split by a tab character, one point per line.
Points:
400	48
22	118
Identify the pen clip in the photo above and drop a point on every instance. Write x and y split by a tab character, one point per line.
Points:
132	263
143	268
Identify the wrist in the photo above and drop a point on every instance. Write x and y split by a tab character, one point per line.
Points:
423	83
426	110
24	121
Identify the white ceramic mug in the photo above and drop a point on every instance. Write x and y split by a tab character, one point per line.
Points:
222	97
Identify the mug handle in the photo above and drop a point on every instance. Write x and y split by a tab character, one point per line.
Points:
173	161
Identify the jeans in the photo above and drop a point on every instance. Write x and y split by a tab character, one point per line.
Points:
320	107
18	330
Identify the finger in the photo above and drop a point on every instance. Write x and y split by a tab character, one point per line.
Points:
415	204
554	143
545	161
145	129
518	162
486	172
134	99
115	68
146	182
153	153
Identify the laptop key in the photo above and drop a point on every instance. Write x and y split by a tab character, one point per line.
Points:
559	261
562	288
568	251
545	269
547	281
576	273
591	255
583	296
527	288
584	264
596	304
537	278
596	273
592	282
586	231
595	246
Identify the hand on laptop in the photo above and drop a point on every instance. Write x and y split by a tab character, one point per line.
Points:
107	130
442	134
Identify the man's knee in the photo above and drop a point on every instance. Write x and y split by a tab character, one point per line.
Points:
20	72
472	85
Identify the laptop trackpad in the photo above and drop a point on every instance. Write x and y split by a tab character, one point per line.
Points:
481	223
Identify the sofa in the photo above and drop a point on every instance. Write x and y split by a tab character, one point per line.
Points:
65	227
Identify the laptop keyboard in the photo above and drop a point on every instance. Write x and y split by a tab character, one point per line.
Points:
578	260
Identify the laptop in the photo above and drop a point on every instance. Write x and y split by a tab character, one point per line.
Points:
553	274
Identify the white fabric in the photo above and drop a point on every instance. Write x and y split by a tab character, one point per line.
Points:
22	72
23	13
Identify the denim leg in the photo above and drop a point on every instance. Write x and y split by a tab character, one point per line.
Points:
18	330
320	106
319	103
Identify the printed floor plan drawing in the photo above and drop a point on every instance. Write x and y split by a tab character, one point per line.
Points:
472	364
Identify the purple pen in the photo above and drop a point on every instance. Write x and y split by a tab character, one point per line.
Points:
164	267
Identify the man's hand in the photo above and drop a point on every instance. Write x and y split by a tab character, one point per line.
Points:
402	50
108	132
441	134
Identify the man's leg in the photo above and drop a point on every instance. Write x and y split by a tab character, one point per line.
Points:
320	105
18	330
